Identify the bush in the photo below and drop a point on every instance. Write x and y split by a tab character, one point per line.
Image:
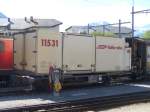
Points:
146	34
106	34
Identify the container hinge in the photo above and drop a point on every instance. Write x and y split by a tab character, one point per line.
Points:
14	38
79	65
14	64
14	51
23	63
92	65
34	51
34	66
34	37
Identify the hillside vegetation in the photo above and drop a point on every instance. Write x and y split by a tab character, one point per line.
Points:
106	34
146	34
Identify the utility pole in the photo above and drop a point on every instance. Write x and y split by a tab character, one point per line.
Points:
103	30
133	21
136	12
105	25
88	29
119	28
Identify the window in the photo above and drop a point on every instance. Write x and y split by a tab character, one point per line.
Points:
1	46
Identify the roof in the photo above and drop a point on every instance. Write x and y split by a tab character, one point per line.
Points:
22	24
19	24
112	29
2	15
79	27
115	29
3	22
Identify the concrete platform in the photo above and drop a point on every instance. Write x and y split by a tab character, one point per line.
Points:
70	95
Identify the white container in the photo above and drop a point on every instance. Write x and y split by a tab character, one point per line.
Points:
111	55
78	53
37	49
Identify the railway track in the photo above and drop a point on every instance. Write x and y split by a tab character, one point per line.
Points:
13	91
98	103
105	102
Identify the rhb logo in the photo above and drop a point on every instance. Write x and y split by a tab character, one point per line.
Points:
108	47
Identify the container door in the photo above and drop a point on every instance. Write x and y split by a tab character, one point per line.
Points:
19	51
30	51
78	53
127	59
49	50
6	54
109	54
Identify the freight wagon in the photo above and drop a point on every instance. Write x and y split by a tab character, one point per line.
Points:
6	54
79	58
42	52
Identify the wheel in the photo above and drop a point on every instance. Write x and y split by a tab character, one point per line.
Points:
106	80
133	77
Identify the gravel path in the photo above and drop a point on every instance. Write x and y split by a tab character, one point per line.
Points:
141	107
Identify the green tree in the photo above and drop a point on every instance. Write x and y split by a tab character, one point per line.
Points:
106	34
146	34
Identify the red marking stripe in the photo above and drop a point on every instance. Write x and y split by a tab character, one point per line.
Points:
49	42
108	47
